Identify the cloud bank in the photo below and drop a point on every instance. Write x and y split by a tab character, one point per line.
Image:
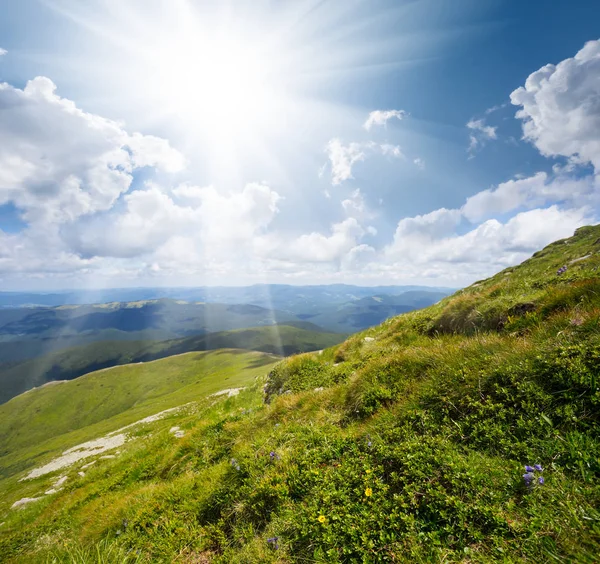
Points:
98	202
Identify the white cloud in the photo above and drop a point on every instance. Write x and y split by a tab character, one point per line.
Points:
495	108
479	134
427	246
355	206
381	117
342	157
358	257
212	223
391	150
495	245
58	163
150	219
560	107
3	52
414	233
531	192
420	163
316	247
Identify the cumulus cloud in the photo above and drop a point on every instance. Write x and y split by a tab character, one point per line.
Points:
58	163
535	191
381	117
3	52
428	245
479	134
560	107
420	163
343	157
213	224
316	247
414	233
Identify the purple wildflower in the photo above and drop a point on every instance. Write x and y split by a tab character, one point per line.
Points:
538	467
529	468
541	480
273	542
529	477
235	464
274	455
561	270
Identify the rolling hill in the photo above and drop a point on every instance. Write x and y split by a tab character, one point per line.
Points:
468	431
37	422
72	362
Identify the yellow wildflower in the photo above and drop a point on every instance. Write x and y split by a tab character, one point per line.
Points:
368	492
322	519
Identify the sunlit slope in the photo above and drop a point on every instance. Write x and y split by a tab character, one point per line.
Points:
62	414
75	361
406	443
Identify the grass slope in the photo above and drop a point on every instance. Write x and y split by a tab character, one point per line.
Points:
54	417
406	443
76	361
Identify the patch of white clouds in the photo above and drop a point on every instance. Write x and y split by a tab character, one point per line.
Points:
58	163
3	52
381	117
343	157
560	107
532	192
316	247
391	150
485	248
202	224
479	134
69	173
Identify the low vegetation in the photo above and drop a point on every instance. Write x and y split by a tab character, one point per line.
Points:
465	432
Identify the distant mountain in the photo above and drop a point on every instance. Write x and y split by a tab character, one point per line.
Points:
29	332
354	316
299	299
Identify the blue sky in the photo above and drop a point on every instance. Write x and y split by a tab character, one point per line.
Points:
366	142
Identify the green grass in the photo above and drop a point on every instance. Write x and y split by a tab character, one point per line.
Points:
406	443
60	415
76	361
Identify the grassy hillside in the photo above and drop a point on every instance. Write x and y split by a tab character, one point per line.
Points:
406	443
76	361
56	416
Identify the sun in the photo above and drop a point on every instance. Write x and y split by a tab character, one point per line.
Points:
240	87
218	81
